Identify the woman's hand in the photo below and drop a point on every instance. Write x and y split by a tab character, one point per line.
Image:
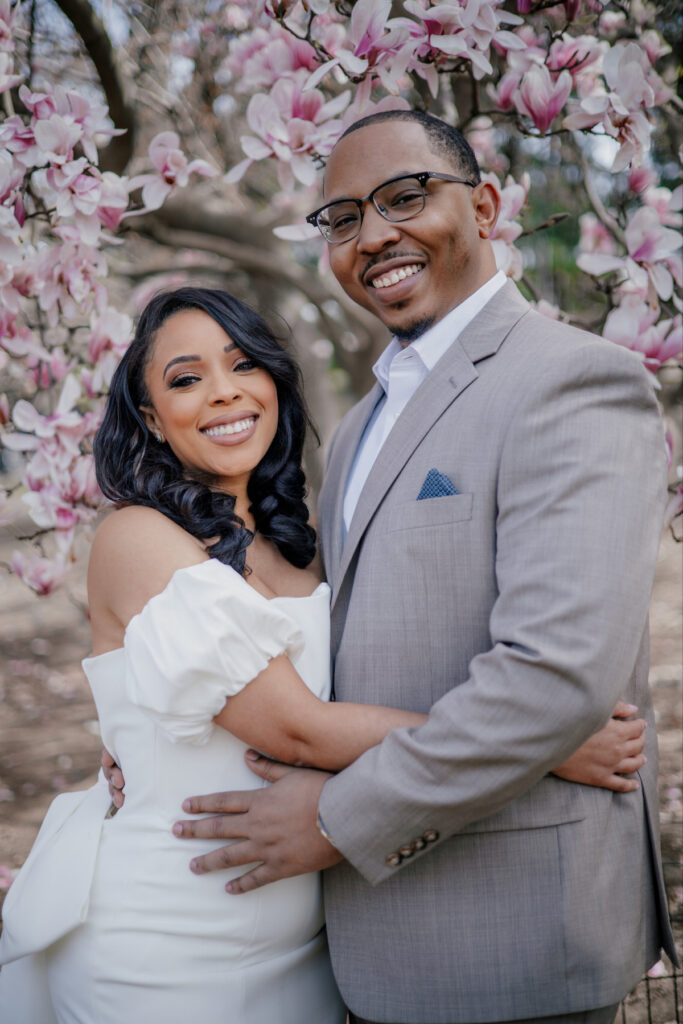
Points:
114	777
610	754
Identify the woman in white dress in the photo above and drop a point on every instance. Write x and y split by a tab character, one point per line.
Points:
210	634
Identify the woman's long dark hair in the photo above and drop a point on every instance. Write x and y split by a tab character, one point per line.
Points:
135	469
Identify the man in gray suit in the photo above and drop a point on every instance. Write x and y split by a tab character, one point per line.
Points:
489	526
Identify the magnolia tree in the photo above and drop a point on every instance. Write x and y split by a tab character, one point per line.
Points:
567	105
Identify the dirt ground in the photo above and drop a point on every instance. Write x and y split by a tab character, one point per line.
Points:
49	739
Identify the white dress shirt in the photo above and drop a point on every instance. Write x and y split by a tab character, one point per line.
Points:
400	371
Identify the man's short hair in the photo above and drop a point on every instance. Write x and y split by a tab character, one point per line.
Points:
442	137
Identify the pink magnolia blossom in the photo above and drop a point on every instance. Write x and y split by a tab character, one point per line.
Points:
547	309
641	178
173	170
114	195
594	235
56	137
65	425
574	54
70	278
632	88
371	39
513	197
48	510
503	94
666	204
8	79
634	325
653	262
41	574
293	126
541	97
467	30
259	58
6	877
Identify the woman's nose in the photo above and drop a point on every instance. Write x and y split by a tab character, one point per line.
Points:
225	389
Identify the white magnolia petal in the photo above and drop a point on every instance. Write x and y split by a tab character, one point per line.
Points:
598	263
297	232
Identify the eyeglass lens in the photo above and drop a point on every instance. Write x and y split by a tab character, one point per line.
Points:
396	201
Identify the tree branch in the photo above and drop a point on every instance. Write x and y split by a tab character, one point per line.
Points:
116	155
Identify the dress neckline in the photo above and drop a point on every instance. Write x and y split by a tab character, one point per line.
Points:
322	588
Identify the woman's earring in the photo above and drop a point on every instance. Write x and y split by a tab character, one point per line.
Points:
159	437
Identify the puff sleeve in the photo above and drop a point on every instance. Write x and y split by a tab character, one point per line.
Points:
200	641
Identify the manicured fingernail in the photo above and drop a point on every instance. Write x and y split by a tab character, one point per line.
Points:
194	866
177	829
644	759
228	887
186	805
252	755
632	708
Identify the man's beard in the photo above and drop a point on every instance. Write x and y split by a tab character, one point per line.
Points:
411	332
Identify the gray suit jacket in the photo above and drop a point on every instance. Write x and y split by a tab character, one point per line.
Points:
477	887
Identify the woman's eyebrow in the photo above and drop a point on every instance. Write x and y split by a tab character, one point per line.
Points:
180	359
192	359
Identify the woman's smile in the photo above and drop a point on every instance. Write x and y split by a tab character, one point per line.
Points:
214	406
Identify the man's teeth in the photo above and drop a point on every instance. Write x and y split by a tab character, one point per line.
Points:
396	275
230	428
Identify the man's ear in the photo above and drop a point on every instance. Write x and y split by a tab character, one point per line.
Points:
486	206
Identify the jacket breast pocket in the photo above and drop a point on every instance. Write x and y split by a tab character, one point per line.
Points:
413	515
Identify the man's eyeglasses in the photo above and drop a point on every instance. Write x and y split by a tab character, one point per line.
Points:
396	200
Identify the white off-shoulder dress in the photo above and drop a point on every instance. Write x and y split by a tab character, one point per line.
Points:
105	923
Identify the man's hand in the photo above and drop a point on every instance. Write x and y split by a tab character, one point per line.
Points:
608	755
277	826
114	777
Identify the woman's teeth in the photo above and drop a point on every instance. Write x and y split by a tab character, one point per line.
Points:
396	275
230	428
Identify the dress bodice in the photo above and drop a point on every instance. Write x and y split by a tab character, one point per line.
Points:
192	646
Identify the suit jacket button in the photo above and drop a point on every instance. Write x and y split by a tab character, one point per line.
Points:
430	836
393	860
406	851
418	844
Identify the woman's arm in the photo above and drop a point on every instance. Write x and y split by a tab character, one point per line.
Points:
610	754
277	714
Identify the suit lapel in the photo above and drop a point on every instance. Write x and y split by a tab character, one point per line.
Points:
454	372
334	485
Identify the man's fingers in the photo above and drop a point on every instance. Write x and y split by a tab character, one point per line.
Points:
251	880
233	855
624	710
621	785
224	826
219	803
629	765
267	769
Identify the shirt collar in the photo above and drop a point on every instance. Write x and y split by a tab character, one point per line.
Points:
435	342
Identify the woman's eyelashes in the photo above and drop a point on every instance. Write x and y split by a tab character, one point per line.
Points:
184	380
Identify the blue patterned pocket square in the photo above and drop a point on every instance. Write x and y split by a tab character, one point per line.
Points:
436	485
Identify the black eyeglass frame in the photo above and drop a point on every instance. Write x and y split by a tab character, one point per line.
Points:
422	177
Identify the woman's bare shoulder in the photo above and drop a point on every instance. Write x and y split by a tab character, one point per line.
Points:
134	554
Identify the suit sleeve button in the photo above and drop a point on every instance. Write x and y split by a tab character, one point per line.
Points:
418	844
393	860
406	851
430	836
